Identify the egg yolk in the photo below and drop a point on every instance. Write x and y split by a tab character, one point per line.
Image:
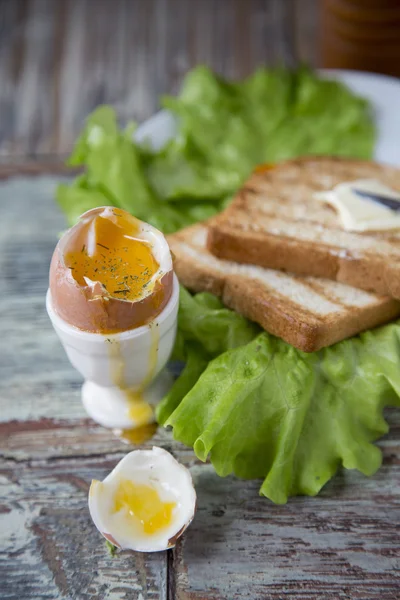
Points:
107	251
140	411
264	167
138	435
143	504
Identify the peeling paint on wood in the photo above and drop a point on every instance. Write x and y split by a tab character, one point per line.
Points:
57	63
344	544
51	547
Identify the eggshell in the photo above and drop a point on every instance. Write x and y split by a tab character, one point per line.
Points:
155	467
91	308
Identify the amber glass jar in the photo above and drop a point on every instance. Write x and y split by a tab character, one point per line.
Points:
362	35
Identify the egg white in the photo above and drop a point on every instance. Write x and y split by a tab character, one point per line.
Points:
159	248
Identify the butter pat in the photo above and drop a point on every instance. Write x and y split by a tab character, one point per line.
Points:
360	213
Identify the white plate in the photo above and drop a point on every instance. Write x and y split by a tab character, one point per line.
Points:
383	93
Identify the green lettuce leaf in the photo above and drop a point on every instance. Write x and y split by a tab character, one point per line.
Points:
116	176
224	130
263	409
198	315
228	128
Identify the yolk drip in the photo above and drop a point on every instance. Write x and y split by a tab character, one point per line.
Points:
143	504
264	167
140	411
138	435
109	252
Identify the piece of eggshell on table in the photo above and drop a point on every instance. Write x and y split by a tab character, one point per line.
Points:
91	307
167	472
171	542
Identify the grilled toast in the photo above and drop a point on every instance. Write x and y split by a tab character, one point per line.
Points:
275	222
306	312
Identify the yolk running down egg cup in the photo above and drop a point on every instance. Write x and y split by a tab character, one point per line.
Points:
124	370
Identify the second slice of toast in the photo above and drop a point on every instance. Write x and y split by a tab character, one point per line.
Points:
276	222
307	312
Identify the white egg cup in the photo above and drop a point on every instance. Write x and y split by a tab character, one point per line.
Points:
117	366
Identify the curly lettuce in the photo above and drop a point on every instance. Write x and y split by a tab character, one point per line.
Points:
224	130
262	409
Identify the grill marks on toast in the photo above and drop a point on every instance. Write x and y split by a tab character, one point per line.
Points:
304	231
308	313
275	222
286	288
260	199
341	294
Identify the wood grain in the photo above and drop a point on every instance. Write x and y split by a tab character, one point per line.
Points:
306	15
50	547
343	544
60	59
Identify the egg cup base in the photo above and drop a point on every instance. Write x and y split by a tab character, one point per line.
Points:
111	406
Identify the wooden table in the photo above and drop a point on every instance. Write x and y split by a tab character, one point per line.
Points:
58	60
61	58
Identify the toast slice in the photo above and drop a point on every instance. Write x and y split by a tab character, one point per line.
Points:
275	222
306	312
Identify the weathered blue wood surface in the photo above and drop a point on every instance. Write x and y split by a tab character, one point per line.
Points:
58	60
342	544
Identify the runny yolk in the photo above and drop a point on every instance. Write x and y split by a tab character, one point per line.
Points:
139	411
143	504
138	435
107	251
264	167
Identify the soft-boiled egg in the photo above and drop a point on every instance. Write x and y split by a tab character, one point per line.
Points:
145	503
110	272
